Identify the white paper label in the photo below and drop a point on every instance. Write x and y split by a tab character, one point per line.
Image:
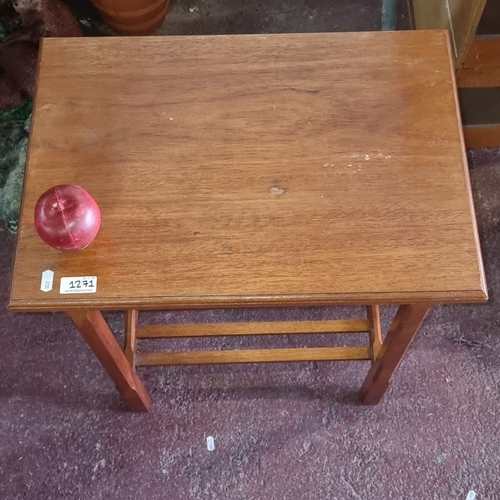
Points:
79	284
210	443
47	281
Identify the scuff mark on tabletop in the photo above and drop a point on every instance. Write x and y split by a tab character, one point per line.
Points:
304	91
276	190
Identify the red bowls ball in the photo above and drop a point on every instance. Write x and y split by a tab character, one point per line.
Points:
67	217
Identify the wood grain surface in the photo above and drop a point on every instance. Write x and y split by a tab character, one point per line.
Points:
482	136
482	64
254	170
130	344
375	331
253	328
253	356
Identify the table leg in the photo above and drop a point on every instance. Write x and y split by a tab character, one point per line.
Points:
104	345
404	327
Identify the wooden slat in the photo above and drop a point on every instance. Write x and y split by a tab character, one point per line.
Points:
482	136
482	65
375	331
254	328
130	335
253	356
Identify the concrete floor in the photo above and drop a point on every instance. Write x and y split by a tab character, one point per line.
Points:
215	17
281	431
204	17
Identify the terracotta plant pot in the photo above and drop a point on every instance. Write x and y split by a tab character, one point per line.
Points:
133	17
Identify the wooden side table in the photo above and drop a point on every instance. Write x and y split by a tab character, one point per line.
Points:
252	171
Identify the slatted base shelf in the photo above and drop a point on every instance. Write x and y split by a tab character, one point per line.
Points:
253	356
371	325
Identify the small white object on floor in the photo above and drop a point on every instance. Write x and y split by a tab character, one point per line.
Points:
471	495
211	445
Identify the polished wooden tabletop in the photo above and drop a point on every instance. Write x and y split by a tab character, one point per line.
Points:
254	170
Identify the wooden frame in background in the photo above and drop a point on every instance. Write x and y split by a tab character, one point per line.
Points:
477	61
